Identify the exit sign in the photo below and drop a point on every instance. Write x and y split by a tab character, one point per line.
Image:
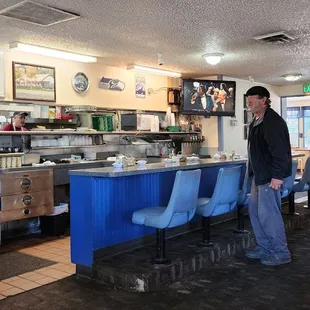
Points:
307	88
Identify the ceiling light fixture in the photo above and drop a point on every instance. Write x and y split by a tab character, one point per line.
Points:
292	77
213	58
154	71
51	52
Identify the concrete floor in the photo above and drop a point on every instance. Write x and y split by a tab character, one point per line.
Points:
234	283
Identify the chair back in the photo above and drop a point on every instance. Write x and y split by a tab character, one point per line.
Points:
305	179
185	190
225	196
306	175
246	188
289	182
183	200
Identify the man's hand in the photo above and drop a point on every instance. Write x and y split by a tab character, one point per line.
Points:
275	184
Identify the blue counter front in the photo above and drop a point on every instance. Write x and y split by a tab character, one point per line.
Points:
103	200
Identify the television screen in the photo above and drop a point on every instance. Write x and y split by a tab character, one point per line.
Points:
206	97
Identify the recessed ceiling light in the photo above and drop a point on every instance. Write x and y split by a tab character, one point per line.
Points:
213	58
51	52
292	77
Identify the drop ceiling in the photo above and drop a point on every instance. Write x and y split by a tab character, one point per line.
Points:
128	32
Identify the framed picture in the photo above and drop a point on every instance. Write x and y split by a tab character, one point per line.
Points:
248	117
140	90
245	132
245	102
33	82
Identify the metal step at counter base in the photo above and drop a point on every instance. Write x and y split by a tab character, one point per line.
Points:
132	271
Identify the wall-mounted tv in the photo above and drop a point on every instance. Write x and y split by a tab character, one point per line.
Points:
207	97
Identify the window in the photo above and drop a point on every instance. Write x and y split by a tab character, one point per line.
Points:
306	115
292	120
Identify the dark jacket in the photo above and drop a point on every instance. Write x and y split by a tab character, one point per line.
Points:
269	149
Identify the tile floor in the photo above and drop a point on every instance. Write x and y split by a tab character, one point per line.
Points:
57	250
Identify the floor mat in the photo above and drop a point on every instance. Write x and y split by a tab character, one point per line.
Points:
13	264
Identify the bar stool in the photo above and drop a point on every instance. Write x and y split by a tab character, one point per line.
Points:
223	200
180	210
303	185
243	200
288	187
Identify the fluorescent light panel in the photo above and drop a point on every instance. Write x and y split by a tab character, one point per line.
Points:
51	52
154	71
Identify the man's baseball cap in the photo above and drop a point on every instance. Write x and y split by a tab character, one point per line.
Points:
258	91
20	114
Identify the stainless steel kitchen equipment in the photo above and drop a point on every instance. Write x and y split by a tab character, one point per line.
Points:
26	194
31	158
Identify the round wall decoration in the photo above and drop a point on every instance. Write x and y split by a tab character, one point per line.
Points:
80	82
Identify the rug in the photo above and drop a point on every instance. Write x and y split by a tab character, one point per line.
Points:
14	263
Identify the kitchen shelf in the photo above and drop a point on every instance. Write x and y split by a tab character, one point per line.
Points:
65	147
67	132
51	121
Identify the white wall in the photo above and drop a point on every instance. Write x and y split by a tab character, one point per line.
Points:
234	135
290	90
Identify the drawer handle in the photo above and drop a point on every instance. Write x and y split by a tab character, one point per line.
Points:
26	211
27	200
25	183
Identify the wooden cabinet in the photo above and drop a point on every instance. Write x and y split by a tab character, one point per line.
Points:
26	194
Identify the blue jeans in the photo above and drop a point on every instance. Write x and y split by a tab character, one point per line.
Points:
266	219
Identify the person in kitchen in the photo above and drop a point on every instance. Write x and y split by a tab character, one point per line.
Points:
18	122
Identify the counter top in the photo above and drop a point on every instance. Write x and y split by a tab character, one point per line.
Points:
58	166
71	132
152	168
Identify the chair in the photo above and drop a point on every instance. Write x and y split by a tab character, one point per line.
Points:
180	210
223	200
300	162
303	185
243	199
287	188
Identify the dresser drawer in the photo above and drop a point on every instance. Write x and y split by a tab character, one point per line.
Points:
26	181
24	213
27	200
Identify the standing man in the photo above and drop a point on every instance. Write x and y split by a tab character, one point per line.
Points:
270	163
18	122
199	99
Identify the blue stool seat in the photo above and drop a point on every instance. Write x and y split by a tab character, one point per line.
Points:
287	188
223	200
243	200
142	216
300	187
289	182
285	193
206	208
154	217
202	202
180	210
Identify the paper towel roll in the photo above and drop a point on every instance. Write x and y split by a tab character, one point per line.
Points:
156	123
172	119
